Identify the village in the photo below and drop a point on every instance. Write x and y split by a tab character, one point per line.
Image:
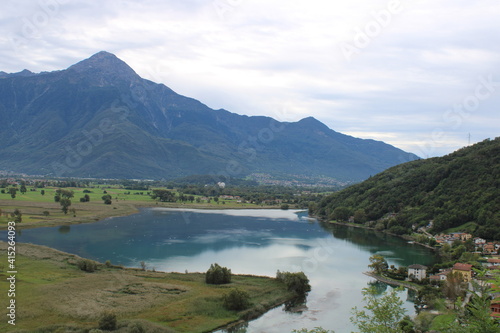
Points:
470	262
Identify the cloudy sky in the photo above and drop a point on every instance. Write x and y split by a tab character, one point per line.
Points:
418	74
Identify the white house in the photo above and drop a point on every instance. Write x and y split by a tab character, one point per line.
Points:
417	272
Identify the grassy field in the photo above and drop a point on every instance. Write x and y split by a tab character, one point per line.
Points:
33	204
54	295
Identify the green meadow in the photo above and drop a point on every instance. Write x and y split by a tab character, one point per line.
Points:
53	295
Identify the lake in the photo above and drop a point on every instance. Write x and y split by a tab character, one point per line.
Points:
258	242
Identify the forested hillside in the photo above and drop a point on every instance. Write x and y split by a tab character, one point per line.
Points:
452	190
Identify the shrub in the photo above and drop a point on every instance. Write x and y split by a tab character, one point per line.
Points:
107	321
296	282
218	275
87	265
236	300
135	327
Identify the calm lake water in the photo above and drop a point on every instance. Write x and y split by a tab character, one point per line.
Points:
249	242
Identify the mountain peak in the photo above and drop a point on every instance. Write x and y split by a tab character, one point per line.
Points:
311	122
105	63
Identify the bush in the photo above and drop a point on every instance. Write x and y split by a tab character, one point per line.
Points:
236	300
218	275
135	327
296	282
87	265
107	321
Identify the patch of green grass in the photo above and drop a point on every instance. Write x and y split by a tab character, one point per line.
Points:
52	292
468	227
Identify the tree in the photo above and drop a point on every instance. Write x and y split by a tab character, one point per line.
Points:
65	203
13	192
384	313
455	286
65	193
42	192
17	215
23	189
164	195
378	264
107	199
236	300
296	282
85	198
425	296
218	275
360	216
341	213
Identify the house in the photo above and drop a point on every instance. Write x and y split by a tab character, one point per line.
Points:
489	248
479	241
464	269
441	276
495	308
494	262
417	272
461	235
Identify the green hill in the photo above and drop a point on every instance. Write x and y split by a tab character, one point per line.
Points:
462	187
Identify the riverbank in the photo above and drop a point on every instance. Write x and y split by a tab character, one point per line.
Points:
54	294
354	225
89	212
393	282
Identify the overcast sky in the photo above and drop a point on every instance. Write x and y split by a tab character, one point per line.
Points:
417	74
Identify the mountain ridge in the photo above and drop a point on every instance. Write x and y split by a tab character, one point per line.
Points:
145	130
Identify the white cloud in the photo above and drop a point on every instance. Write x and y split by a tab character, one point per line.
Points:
282	58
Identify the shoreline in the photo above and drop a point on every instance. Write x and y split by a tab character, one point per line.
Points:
125	209
391	281
405	237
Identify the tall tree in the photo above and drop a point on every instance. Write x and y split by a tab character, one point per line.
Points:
65	203
382	314
378	264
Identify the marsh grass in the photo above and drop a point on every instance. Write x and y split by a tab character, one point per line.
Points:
54	295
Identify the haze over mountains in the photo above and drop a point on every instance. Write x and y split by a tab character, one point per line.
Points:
98	118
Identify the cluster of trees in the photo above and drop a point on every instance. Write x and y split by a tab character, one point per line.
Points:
64	198
261	195
451	190
295	282
217	274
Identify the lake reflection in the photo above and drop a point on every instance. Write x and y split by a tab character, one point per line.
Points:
249	242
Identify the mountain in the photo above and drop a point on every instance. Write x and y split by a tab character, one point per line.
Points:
98	118
460	189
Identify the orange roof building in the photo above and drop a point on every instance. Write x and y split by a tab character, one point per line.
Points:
464	269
